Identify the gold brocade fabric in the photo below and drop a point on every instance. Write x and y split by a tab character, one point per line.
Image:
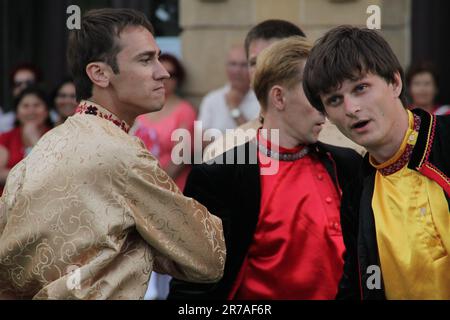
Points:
89	214
412	222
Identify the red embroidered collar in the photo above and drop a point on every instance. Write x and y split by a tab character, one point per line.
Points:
88	107
280	153
404	158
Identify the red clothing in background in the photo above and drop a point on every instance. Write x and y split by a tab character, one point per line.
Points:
12	141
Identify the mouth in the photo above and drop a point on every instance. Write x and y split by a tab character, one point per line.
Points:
359	124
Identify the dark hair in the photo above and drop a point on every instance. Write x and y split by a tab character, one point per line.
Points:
37	91
97	40
179	73
348	52
421	67
25	66
272	29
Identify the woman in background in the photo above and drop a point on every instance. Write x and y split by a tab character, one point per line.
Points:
64	101
422	83
32	121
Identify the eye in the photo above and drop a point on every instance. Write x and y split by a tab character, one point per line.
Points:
360	87
147	60
334	101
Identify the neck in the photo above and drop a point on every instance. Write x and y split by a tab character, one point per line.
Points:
107	102
240	89
285	140
393	140
171	100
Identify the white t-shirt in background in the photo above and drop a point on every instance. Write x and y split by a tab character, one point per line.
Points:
214	112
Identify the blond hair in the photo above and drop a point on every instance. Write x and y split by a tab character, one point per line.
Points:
279	64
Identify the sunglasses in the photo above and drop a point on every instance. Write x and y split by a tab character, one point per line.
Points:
25	83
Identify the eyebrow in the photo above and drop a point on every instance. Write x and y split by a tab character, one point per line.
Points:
149	54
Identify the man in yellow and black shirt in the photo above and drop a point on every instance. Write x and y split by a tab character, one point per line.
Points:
395	217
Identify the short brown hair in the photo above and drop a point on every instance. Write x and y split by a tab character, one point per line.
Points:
280	64
272	29
348	53
97	40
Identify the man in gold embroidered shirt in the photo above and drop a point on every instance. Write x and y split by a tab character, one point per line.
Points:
89	214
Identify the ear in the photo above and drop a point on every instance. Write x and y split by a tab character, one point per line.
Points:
397	85
276	95
99	73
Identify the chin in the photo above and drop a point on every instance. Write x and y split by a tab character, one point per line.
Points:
159	107
154	107
312	140
366	143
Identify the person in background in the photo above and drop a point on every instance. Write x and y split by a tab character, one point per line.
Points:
6	120
422	83
21	77
64	101
32	121
235	103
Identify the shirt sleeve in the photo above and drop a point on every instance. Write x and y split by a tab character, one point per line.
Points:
187	241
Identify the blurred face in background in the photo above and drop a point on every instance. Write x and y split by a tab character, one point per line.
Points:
237	69
423	90
32	110
170	84
255	47
66	100
23	78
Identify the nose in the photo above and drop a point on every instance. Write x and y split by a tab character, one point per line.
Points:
161	72
351	106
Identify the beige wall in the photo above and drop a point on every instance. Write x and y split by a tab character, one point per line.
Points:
212	26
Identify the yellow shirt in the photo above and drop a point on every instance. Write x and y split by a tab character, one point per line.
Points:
413	231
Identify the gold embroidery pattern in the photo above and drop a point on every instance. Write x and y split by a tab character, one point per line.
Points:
90	214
